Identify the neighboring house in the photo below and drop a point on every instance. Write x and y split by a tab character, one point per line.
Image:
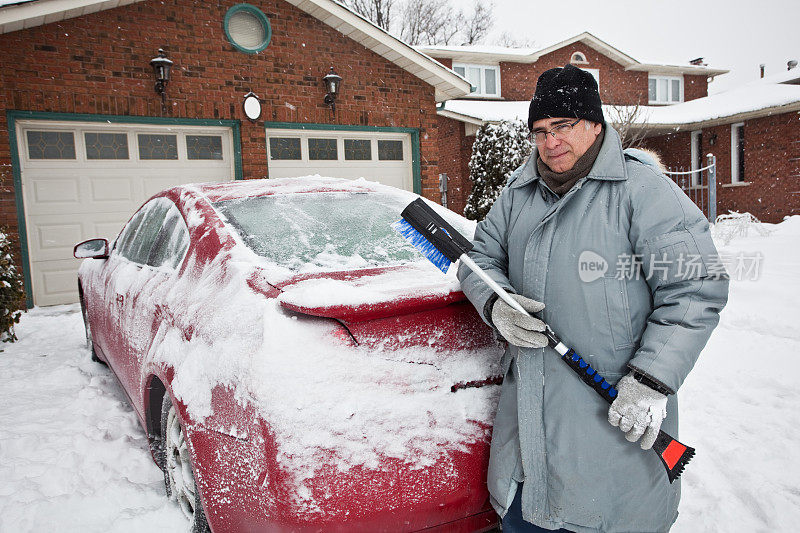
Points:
754	133
754	130
85	139
504	80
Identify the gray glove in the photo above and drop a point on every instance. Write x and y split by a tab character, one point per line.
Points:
638	410
518	329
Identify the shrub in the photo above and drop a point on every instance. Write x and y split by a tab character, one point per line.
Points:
498	150
12	291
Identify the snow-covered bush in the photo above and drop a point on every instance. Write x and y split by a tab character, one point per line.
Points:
497	151
734	224
11	291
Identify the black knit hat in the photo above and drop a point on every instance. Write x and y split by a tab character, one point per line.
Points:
566	92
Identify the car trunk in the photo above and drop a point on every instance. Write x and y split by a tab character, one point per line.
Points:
415	315
391	308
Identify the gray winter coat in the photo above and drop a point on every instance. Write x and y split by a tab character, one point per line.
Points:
551	429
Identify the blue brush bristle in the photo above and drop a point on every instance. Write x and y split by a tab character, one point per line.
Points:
422	244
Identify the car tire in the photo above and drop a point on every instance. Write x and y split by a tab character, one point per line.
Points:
178	470
88	329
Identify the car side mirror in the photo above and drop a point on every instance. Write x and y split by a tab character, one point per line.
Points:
91	249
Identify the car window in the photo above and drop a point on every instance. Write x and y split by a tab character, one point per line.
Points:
138	236
124	240
326	231
172	241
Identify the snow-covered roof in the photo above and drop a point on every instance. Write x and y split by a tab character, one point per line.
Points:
791	76
495	54
749	101
19	14
447	83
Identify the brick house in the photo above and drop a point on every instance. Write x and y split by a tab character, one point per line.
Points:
85	139
753	131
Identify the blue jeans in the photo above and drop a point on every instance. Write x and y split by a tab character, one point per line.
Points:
513	522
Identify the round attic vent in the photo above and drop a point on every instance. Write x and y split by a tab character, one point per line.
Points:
247	28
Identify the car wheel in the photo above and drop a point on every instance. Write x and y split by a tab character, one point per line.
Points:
88	328
178	471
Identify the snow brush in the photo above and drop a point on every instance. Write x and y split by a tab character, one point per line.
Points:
443	245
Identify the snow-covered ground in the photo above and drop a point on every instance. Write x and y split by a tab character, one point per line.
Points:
74	458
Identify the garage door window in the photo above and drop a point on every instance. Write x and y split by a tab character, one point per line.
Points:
51	145
322	150
284	148
204	147
358	149
158	146
106	145
390	150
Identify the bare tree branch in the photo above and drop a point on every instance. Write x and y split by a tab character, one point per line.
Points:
427	22
631	123
512	41
378	11
477	26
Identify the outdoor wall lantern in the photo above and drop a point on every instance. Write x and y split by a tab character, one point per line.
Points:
333	84
161	67
252	106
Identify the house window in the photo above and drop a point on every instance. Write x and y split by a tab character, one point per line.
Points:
697	179
578	57
485	79
737	153
247	28
665	89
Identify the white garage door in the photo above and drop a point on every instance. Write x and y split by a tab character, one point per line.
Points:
84	180
384	157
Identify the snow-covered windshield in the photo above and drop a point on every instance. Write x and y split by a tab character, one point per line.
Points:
326	231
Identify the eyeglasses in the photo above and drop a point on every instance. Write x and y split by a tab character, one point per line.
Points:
559	132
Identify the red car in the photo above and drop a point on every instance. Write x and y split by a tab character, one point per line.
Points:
297	366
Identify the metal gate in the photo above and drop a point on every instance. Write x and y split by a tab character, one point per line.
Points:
700	185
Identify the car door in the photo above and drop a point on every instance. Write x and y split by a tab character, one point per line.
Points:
150	308
127	281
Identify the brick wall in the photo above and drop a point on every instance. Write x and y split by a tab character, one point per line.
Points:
99	64
455	150
617	86
771	165
694	87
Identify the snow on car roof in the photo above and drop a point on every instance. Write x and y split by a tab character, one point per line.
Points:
217	192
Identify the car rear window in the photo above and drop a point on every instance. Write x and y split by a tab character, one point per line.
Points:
326	231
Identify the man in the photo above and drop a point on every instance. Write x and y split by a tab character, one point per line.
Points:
596	242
